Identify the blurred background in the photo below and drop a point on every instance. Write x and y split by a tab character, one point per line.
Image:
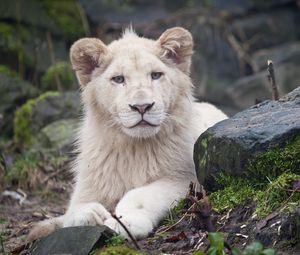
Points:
39	98
233	41
39	101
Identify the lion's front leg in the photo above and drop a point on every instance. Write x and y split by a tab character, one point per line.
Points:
87	214
141	209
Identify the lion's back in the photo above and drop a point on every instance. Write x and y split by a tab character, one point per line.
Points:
205	115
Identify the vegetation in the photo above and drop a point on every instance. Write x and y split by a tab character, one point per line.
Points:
235	192
115	240
23	172
8	71
60	72
275	161
217	247
269	183
117	250
22	130
278	193
12	50
67	15
175	212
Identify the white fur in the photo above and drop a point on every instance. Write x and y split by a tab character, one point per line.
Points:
137	173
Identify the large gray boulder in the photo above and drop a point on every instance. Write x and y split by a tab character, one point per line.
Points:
232	144
248	90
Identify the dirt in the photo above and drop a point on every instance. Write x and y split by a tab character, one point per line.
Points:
184	234
17	217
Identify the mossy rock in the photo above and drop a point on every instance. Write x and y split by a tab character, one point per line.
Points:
234	145
58	135
37	113
13	93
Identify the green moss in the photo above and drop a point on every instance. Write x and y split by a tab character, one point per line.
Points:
6	70
22	171
277	193
274	162
175	212
115	240
22	131
6	29
63	72
267	181
12	39
117	250
67	15
236	191
272	196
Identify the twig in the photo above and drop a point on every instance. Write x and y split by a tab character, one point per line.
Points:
241	52
271	78
176	223
53	175
127	231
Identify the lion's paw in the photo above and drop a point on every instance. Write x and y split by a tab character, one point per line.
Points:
138	225
90	214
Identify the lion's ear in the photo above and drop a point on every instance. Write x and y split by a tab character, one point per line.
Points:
177	44
85	55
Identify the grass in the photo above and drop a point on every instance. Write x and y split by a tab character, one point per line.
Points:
116	250
236	191
175	212
115	240
268	182
62	71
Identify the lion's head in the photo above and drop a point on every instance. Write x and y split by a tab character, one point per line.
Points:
134	81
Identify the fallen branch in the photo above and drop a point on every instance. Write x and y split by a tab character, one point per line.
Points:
127	231
50	176
271	78
176	223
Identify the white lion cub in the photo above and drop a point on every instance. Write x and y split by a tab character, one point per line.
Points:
136	139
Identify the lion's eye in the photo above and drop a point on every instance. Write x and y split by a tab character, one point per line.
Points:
118	79
156	75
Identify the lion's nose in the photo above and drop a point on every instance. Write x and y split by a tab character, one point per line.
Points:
141	108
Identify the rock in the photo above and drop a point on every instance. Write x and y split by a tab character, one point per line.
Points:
248	90
211	51
59	135
13	93
137	13
232	144
237	7
37	113
285	53
222	55
73	240
266	29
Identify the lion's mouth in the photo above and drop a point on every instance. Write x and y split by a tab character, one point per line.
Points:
143	123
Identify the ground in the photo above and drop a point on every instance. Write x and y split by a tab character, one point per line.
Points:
183	232
16	219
